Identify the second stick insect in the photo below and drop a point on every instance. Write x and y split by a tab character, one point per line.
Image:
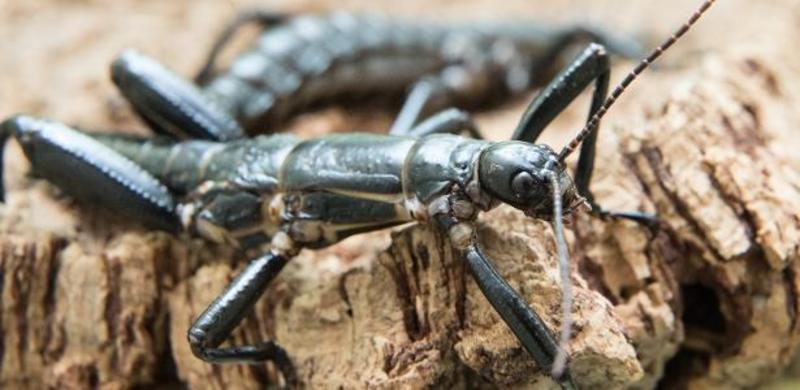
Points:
302	61
290	194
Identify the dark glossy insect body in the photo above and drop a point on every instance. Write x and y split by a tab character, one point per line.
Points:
301	61
293	194
244	192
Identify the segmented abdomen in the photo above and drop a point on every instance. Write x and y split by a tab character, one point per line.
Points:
312	58
184	166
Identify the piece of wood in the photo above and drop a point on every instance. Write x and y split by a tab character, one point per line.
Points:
708	300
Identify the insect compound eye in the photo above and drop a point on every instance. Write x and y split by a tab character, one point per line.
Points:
523	184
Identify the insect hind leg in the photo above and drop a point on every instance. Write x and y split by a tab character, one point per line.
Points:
168	103
91	172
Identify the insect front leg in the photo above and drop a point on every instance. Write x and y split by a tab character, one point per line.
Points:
591	65
526	324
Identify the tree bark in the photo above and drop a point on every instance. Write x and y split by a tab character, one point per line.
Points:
710	299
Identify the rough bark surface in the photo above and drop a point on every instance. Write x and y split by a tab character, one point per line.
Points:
709	300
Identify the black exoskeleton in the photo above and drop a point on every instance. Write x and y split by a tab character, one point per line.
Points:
288	194
301	61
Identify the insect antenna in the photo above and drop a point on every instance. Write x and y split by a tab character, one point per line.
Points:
560	360
595	119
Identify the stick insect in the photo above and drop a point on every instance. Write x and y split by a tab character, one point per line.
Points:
291	194
302	61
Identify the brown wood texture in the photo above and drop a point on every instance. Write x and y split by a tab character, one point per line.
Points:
710	300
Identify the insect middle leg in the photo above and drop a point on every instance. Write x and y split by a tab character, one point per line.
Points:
450	121
440	90
591	65
217	322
